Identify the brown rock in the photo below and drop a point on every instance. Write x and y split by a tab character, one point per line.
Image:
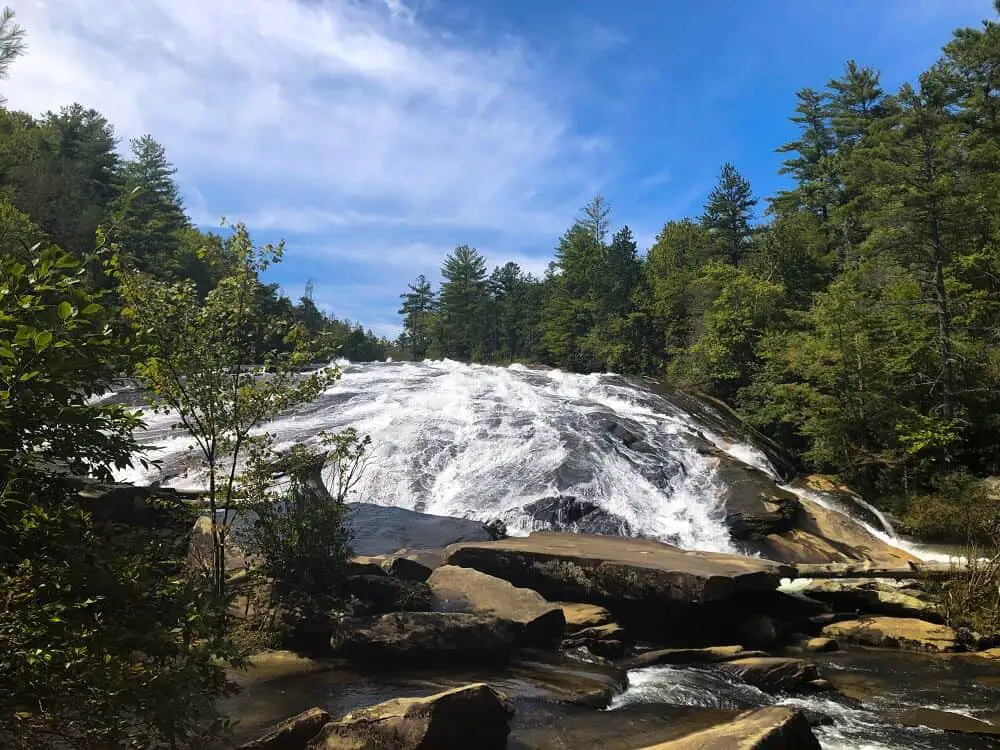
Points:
773	728
947	721
709	655
872	596
607	641
773	673
614	570
291	734
904	633
821	644
456	589
425	638
579	616
382	593
473	717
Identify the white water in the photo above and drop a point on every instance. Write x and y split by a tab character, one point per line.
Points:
482	441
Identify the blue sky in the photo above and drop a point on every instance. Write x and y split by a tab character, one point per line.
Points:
375	135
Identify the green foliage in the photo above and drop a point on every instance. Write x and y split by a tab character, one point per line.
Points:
11	43
728	213
462	304
298	534
200	365
418	316
104	641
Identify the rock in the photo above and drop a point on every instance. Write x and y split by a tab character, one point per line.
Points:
872	596
709	655
364	565
406	568
496	528
381	530
947	721
607	641
772	728
821	686
474	717
773	674
617	572
200	549
382	593
428	558
568	513
425	638
756	629
291	734
755	505
457	589
904	633
579	616
817	645
989	653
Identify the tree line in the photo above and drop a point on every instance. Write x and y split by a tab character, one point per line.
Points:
857	320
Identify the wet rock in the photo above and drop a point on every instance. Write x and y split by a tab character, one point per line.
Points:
568	513
579	616
757	630
904	633
379	594
607	641
381	530
755	505
294	733
710	655
496	528
947	721
617	572
425	638
474	717
427	558
773	674
457	589
772	728
819	645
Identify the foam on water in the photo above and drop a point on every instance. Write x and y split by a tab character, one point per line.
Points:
481	441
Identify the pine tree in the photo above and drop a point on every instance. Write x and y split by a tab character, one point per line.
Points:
418	313
728	213
151	212
462	304
11	43
812	165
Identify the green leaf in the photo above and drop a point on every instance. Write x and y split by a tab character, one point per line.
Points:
42	340
91	309
65	310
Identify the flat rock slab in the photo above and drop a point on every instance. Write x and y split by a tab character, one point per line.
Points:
580	616
425	638
905	633
772	728
474	717
612	570
947	721
710	655
457	589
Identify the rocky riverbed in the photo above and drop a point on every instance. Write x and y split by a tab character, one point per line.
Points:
568	640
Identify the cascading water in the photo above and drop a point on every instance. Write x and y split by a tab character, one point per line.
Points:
482	442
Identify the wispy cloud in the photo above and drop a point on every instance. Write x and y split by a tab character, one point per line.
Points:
354	113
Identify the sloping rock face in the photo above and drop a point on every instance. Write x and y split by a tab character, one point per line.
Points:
905	633
772	728
425	638
381	530
456	589
473	717
755	505
613	571
291	734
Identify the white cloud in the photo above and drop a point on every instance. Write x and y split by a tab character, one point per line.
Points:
310	115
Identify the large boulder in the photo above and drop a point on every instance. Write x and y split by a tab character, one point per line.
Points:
614	571
291	734
905	633
773	674
425	638
456	589
772	728
708	655
473	717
